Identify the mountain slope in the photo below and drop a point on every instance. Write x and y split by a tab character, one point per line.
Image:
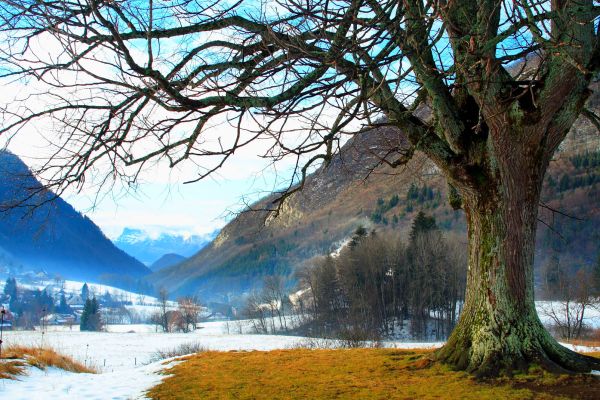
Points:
168	260
335	201
339	197
54	237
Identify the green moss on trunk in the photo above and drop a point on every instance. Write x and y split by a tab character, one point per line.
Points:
499	331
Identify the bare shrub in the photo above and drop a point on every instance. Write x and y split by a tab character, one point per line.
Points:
178	351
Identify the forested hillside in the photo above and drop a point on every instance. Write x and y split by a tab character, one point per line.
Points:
38	234
357	189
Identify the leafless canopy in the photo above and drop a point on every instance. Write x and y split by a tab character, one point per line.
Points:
125	83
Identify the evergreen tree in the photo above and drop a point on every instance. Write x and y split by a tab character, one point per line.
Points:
10	288
422	223
43	302
552	275
90	318
565	183
95	322
413	192
359	234
85	316
63	307
85	291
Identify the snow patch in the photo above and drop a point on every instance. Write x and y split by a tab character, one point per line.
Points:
54	383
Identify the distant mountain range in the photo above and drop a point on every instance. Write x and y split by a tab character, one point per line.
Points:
355	189
148	249
39	234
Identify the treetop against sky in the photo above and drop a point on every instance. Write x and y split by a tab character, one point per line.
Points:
136	87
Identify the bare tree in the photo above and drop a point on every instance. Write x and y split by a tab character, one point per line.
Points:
255	311
139	81
176	322
275	296
567	313
376	283
189	307
162	316
157	320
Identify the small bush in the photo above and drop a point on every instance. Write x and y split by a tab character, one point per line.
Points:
181	350
316	344
330	344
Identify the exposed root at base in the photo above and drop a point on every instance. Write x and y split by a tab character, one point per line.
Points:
551	357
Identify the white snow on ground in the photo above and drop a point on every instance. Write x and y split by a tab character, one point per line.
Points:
122	357
127	346
55	383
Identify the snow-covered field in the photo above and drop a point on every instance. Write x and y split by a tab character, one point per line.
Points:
122	356
57	384
127	346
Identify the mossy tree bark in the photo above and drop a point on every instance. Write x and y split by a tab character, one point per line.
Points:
499	330
508	134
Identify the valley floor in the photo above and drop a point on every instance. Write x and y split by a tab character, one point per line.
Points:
123	357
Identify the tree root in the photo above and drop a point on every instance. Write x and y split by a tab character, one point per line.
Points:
546	353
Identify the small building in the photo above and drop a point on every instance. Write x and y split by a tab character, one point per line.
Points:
76	302
59	319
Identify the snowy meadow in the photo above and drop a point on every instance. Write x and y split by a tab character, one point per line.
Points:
125	357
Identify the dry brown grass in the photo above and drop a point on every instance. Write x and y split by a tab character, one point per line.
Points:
16	359
385	374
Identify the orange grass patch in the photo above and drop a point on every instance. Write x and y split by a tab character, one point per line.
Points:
15	359
336	374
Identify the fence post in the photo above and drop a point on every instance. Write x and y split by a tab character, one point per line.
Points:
3	312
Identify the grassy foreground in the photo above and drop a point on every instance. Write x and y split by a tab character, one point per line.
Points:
351	374
16	359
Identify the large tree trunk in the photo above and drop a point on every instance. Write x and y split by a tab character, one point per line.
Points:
499	330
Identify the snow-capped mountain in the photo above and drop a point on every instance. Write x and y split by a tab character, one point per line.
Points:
148	248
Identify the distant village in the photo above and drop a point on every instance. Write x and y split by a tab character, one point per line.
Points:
34	300
40	303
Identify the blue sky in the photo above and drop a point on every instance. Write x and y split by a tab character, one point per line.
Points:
162	203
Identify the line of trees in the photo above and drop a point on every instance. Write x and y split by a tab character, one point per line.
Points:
383	287
28	306
269	309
